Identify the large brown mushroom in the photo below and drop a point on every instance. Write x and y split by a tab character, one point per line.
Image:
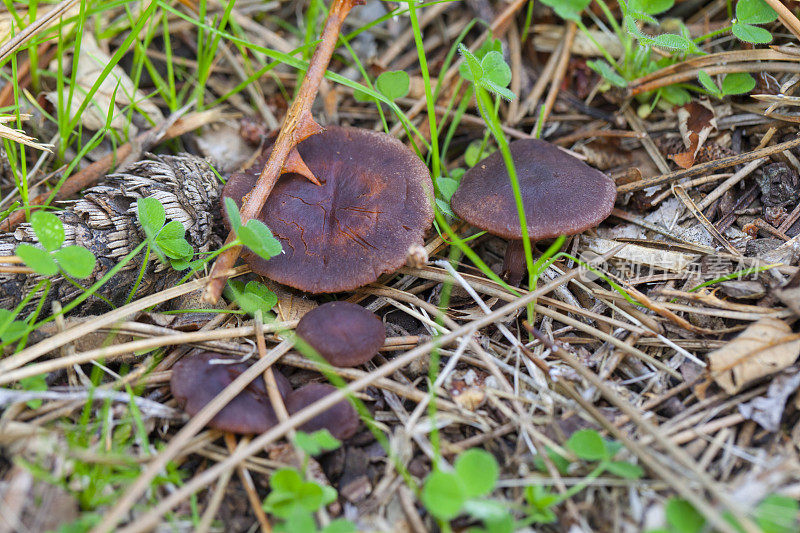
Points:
344	333
196	380
373	204
340	419
561	196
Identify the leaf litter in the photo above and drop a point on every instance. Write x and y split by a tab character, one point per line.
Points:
618	351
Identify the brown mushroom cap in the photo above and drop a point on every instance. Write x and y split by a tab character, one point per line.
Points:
341	419
344	333
196	381
374	203
561	194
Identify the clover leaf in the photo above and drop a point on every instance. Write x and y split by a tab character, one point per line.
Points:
393	84
73	260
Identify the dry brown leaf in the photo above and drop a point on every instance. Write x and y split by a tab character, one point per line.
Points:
695	121
762	349
117	86
292	304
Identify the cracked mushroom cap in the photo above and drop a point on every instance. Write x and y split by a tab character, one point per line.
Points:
344	333
374	203
341	419
196	381
561	194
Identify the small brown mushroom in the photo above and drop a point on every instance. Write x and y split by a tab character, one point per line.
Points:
196	380
344	333
561	196
373	204
341	419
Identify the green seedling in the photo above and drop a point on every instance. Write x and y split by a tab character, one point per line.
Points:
74	261
774	514
253	297
294	501
637	61
491	72
100	480
750	13
255	235
587	445
465	489
34	383
317	442
477	151
449	494
445	188
733	83
488	76
10	328
166	239
392	84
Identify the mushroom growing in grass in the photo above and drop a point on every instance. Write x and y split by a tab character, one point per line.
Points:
561	196
201	376
374	203
344	333
340	419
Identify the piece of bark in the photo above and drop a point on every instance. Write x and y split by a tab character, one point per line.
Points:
105	222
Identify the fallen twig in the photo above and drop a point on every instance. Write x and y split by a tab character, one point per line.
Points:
298	125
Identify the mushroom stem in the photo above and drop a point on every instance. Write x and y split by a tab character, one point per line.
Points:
514	266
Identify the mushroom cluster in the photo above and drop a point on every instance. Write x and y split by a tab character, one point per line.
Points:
343	333
373	204
201	376
561	196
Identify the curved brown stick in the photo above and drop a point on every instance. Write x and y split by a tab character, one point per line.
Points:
298	125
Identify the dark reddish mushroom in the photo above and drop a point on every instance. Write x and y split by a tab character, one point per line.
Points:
341	419
373	204
196	381
344	333
561	195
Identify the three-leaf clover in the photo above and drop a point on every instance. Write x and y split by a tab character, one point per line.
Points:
733	83
317	442
255	235
166	238
253	297
293	500
541	501
748	14
447	494
75	261
587	444
490	72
